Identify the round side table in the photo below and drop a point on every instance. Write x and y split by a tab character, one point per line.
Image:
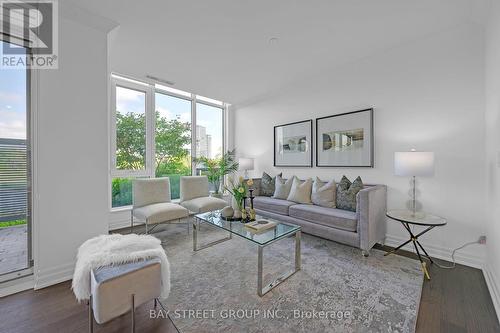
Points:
407	218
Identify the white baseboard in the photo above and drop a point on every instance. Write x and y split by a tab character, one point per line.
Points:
54	275
461	257
17	285
119	219
493	284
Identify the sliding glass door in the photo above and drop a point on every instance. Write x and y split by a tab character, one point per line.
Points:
15	175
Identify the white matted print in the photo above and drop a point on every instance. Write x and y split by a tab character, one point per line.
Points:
293	144
345	140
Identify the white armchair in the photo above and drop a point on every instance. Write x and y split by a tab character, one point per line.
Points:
194	195
152	204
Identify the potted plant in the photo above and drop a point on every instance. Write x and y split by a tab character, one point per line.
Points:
218	167
239	191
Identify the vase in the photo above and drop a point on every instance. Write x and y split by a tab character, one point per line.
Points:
237	208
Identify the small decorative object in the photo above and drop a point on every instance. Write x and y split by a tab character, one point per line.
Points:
252	210
345	140
238	190
227	211
261	225
414	163
293	144
216	168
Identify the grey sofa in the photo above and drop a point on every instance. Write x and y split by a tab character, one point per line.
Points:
361	229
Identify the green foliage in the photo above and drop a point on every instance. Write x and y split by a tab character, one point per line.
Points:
217	168
12	223
171	157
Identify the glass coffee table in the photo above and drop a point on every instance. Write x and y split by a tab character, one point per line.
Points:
261	239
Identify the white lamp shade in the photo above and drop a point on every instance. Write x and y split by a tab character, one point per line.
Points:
414	163
245	163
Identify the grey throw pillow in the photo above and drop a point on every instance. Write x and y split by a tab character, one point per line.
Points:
267	185
324	194
283	188
346	193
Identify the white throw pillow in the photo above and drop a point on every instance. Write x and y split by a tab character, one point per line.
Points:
282	188
301	192
324	194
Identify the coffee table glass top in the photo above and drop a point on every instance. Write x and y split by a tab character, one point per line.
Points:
281	229
419	218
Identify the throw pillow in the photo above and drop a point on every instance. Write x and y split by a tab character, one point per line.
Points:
324	194
300	191
282	188
267	185
346	193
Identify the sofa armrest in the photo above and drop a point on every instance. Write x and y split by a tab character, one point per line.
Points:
371	209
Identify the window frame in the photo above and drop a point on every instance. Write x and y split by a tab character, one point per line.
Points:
149	103
151	89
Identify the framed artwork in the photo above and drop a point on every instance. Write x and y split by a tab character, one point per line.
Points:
293	144
345	140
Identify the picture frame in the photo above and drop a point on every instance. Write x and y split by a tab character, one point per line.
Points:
293	144
345	140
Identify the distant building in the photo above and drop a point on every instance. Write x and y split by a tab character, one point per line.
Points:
203	142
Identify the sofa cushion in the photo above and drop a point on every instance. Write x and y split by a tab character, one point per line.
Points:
267	185
161	212
205	204
331	217
277	206
300	191
347	192
324	194
282	187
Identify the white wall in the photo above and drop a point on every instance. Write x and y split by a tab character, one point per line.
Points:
72	154
427	94
492	70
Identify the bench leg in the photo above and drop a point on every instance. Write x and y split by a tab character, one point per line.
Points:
133	313
91	319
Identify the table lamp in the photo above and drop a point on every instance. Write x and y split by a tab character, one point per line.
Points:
246	164
414	163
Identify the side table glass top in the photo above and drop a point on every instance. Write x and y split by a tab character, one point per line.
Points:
419	218
279	231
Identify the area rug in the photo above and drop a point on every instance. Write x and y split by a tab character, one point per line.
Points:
337	289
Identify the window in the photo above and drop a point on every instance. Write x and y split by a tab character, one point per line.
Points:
15	170
153	132
172	139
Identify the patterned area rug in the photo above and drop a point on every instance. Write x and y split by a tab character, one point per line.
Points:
337	290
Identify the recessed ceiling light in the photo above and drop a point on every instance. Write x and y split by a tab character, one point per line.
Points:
273	40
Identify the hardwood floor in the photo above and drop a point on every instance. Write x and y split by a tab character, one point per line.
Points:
454	301
54	309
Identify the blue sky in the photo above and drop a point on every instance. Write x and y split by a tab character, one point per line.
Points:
12	103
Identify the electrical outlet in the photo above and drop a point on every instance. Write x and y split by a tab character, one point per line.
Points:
482	240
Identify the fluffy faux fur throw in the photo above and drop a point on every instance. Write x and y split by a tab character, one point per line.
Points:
117	249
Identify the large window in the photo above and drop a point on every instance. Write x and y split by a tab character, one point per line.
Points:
157	131
15	170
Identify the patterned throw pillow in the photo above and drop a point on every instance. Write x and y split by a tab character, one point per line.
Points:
267	185
283	188
346	193
323	194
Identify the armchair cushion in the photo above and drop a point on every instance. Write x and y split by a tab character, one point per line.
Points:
193	187
150	191
204	204
160	212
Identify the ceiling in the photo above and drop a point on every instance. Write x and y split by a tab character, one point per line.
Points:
221	48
